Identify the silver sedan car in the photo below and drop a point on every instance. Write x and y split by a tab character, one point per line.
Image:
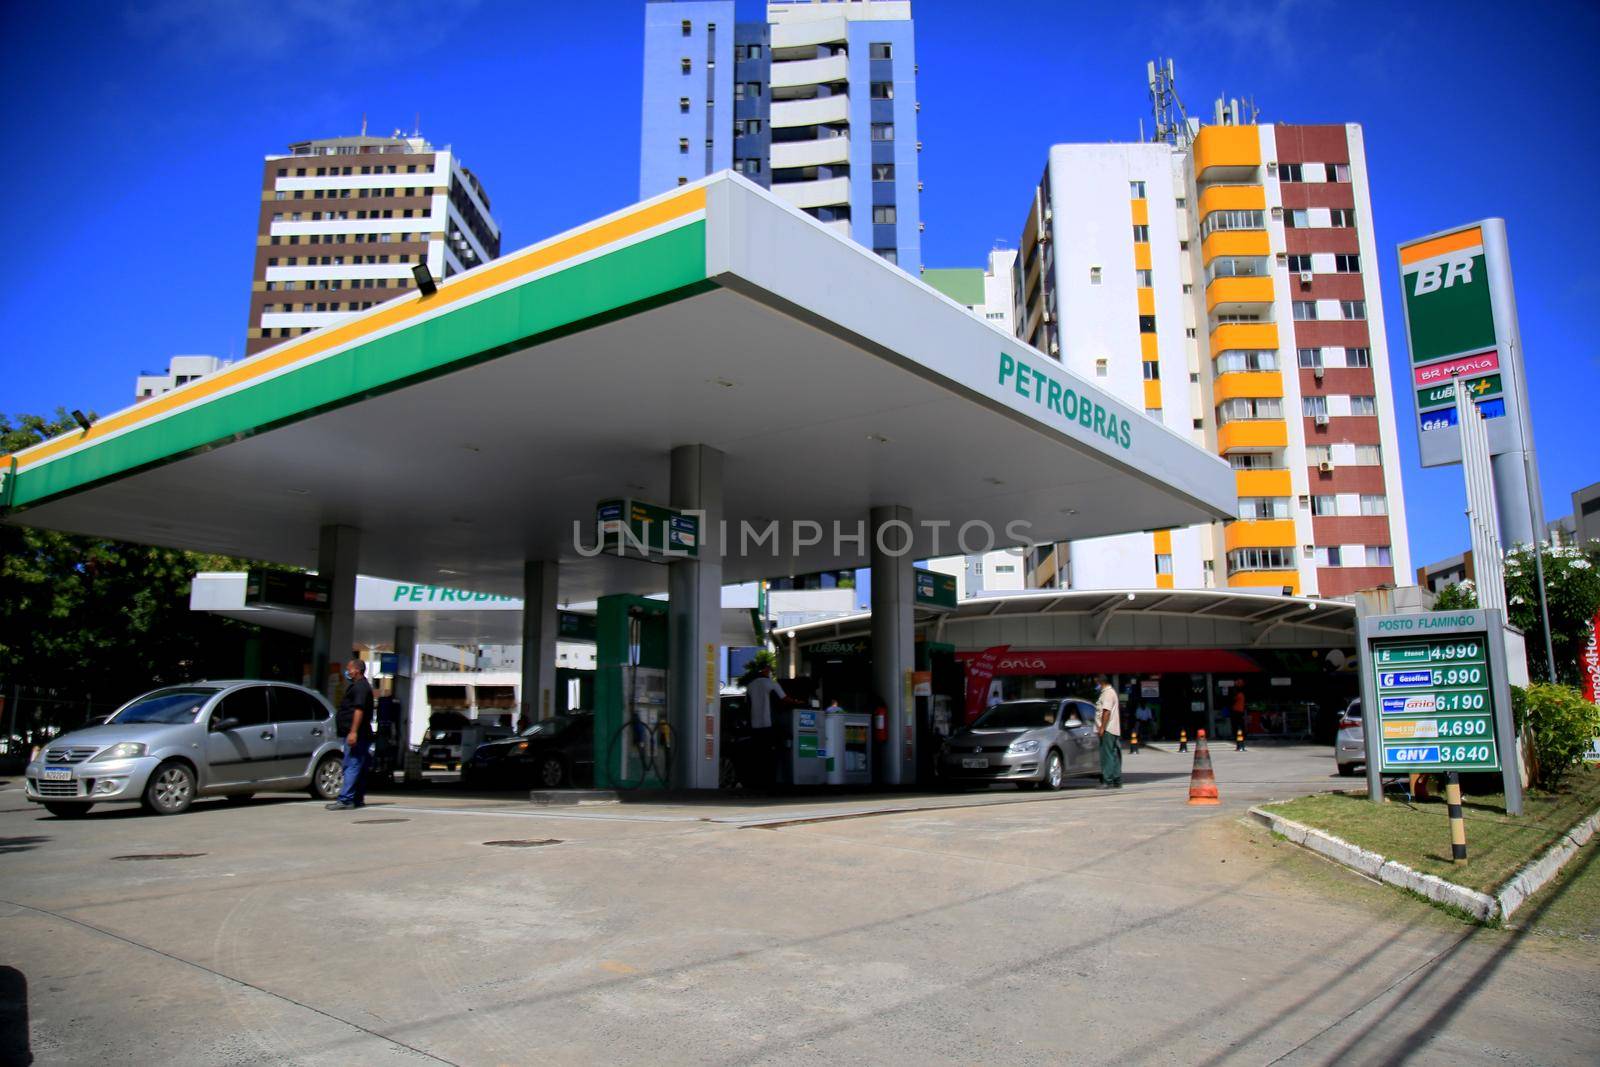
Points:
1030	742
167	747
1350	743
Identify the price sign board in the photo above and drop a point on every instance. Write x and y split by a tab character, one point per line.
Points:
651	531
1437	683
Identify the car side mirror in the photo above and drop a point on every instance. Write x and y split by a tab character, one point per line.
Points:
218	725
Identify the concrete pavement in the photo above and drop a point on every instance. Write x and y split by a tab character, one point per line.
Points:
999	927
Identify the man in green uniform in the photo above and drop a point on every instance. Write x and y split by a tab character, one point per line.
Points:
1108	724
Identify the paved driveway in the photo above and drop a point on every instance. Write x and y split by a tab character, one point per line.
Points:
1010	928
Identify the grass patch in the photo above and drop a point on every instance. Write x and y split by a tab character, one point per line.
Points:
1569	905
1417	834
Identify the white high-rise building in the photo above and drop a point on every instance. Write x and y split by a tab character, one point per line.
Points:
181	370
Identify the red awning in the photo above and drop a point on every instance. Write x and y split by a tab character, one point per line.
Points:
1122	661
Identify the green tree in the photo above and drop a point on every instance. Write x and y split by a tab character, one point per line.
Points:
1572	586
101	620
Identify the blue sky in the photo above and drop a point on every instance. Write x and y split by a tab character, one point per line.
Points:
137	133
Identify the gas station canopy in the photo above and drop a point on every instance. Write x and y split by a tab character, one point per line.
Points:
467	431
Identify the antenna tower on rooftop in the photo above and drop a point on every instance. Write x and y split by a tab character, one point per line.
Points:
1172	124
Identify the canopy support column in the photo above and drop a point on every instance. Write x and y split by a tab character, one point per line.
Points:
893	639
539	625
694	622
333	633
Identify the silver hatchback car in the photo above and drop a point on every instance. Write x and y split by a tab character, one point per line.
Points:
167	747
1029	742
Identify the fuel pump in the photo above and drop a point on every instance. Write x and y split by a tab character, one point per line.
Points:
632	739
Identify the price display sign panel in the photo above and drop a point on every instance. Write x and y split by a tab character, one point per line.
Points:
1436	681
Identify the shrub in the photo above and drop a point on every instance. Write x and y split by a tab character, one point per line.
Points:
763	658
1560	724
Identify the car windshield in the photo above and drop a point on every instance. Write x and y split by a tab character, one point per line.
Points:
547	727
1018	715
165	706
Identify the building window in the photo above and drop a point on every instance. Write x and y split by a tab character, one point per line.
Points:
1163	563
1312	406
1368	456
1136	190
1297	219
1101	368
1252	461
688	27
1245	409
1236	360
883	131
1363	405
1299	264
682	180
751	165
1231	220
1310	357
1291	172
883	214
686	65
1147	324
1263	507
683	104
1379	556
1261	559
1342	217
1141	234
1317	455
1152	370
880	50
1094	275
1305	310
1188	288
1323	506
883	90
1191	332
883	172
1339	172
1353	309
1358	357
1347	263
1374	504
1142	277
888	253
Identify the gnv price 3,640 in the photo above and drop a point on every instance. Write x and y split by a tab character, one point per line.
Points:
1464	753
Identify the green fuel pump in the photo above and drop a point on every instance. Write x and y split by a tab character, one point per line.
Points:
632	738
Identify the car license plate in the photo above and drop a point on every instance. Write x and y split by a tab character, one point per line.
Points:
439	753
974	762
58	774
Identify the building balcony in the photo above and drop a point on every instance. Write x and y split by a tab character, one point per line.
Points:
1226	148
1259	533
1263	483
1274	580
816	112
810	153
1252	434
1234	293
1232	243
1244	336
803	72
806	32
827	192
1232	198
1248	384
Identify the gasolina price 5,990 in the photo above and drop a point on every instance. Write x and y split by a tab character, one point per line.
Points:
1461	676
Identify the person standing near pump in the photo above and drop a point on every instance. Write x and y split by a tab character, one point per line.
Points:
355	726
759	694
1108	724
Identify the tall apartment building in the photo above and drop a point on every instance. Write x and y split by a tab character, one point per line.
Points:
345	220
817	103
1229	287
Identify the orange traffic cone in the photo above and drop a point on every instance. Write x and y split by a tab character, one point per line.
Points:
1202	783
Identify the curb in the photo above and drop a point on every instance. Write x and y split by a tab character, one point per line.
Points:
1511	895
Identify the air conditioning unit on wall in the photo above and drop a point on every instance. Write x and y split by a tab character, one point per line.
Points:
1326	467
1322	420
1305	277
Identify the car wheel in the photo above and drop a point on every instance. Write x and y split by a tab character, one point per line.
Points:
170	790
728	774
68	811
1347	770
1055	774
552	772
328	779
239	798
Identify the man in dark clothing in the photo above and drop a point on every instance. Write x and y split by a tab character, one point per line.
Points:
355	726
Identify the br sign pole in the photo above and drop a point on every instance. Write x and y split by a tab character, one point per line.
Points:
1435	698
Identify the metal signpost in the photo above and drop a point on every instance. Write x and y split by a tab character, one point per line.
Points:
1435	697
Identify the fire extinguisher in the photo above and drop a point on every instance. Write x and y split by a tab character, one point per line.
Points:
880	725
